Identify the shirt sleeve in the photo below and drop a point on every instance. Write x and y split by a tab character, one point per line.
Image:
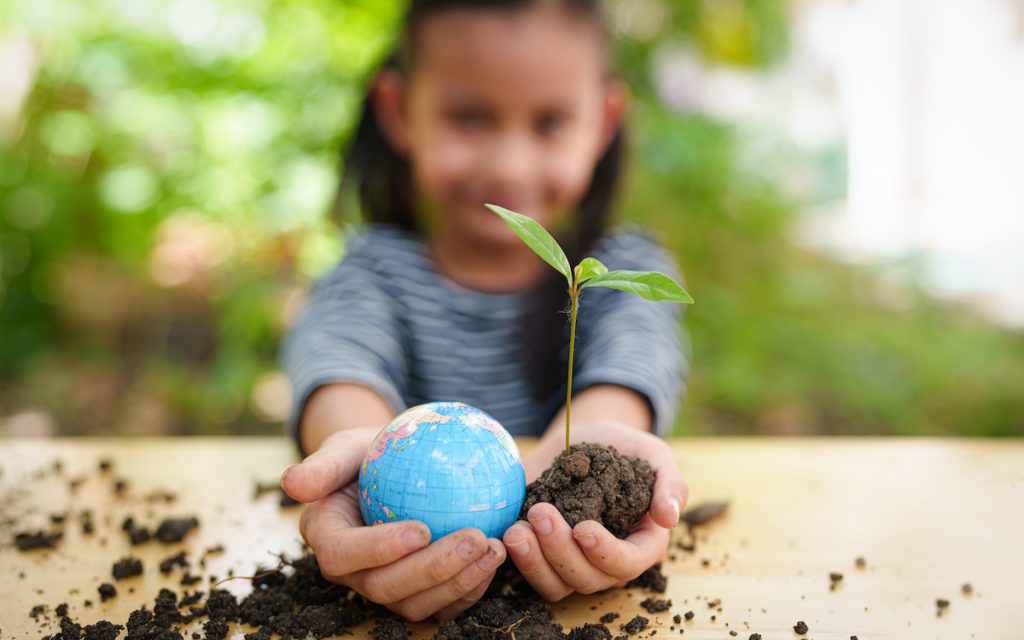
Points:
626	340
349	332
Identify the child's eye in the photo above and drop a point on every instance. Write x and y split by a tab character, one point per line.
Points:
468	119
550	123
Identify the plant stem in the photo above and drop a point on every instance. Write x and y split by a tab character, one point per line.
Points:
574	296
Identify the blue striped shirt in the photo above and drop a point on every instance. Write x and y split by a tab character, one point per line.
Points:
387	319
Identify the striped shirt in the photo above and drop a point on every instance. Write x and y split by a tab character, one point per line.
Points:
387	319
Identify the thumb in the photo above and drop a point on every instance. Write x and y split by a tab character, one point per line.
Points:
331	467
670	491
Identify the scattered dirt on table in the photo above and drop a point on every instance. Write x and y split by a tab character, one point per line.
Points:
29	540
800	627
126	568
174	530
652	579
590	631
107	591
390	629
595	482
636	625
651	605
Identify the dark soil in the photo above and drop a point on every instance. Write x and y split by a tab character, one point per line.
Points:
590	631
800	627
652	579
510	609
651	605
126	568
597	483
28	540
174	529
293	600
390	629
636	625
107	591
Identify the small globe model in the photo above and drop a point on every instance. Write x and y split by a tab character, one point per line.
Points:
446	464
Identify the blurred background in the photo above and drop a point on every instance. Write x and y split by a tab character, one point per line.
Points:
842	181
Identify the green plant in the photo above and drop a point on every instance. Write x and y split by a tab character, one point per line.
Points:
649	285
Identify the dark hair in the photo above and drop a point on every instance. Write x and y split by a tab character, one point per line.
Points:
382	182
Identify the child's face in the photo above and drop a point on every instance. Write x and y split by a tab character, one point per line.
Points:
507	107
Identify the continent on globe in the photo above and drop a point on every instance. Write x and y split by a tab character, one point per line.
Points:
447	464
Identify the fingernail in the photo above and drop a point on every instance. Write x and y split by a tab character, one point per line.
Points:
489	561
413	538
586	540
519	549
674	503
284	476
467	550
543	526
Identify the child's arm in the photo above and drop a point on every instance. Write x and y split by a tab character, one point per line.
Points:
393	564
558	560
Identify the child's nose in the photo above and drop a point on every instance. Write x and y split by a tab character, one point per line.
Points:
514	161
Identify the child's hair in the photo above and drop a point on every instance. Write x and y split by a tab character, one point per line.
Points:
383	183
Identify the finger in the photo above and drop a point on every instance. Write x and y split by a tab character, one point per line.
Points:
561	551
622	559
454	592
525	552
342	545
670	492
333	466
454	609
426	569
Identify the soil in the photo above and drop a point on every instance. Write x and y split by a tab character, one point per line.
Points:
636	625
28	540
800	627
595	482
293	600
652	579
126	568
651	605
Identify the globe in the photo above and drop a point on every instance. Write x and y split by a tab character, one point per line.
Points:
447	464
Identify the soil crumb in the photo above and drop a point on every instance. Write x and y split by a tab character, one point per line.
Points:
28	540
126	568
652	579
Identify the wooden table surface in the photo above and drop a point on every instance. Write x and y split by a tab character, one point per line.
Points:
927	515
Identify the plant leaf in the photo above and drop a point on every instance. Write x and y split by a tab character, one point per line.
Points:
650	285
537	238
588	268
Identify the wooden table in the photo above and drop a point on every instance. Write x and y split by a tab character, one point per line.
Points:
927	515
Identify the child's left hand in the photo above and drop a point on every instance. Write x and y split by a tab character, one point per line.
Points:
558	560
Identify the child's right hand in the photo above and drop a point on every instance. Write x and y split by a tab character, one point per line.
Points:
393	564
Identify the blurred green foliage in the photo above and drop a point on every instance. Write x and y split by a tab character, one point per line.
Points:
163	207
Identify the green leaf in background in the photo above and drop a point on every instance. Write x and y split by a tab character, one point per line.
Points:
537	238
646	284
588	268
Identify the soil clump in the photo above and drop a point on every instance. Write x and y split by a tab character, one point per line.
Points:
595	482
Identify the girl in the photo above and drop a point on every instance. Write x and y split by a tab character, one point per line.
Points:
508	102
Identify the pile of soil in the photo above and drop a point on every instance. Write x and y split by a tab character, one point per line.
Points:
293	600
595	482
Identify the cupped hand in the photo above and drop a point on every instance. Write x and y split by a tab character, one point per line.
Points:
393	564
558	560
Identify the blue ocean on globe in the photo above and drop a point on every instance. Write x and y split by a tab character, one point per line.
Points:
447	464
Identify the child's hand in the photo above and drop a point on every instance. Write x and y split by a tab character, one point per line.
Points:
392	564
558	560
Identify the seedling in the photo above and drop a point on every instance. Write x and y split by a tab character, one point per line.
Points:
649	285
